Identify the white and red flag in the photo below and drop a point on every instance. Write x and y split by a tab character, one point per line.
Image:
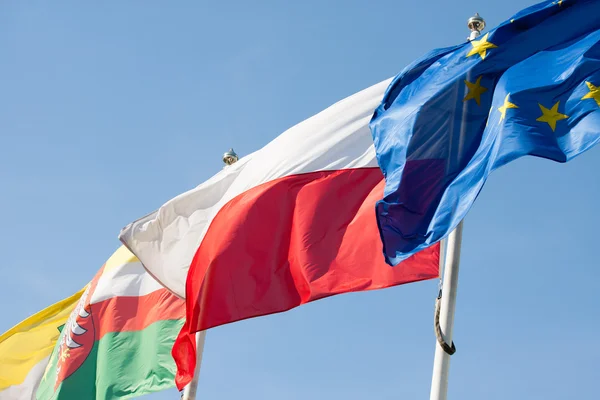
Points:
288	224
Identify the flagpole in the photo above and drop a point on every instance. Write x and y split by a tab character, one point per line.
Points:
189	392
450	259
447	305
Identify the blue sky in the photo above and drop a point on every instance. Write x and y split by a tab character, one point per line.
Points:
109	109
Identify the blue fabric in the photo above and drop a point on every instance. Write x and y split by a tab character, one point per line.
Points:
438	135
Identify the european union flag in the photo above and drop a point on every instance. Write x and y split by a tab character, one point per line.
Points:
531	86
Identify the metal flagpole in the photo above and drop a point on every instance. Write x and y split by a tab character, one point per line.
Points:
189	392
445	306
446	301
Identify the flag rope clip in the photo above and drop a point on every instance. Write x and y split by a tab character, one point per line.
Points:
438	331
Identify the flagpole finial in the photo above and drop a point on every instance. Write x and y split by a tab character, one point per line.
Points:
230	157
476	24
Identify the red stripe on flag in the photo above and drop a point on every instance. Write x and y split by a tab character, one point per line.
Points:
134	313
288	242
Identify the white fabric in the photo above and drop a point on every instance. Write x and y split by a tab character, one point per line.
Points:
336	138
26	389
130	279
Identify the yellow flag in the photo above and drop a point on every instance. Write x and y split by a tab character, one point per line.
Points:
26	348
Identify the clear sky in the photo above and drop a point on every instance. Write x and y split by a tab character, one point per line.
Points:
109	109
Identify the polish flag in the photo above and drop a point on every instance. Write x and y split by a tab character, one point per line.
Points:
288	224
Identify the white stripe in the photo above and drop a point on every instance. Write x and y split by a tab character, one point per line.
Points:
26	390
336	138
130	279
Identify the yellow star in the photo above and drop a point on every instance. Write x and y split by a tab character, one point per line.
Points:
475	91
507	104
481	47
593	94
64	354
551	116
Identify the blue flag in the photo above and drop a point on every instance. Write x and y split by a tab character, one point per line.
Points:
531	86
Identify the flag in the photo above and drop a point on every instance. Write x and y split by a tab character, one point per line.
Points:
286	225
528	87
25	349
117	341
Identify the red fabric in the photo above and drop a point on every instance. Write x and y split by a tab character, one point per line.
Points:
78	354
116	314
135	313
288	242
